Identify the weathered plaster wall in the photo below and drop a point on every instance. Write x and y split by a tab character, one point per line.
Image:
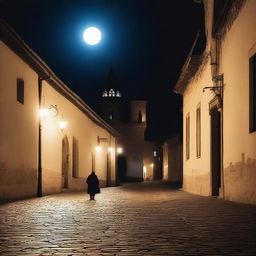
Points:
85	132
19	136
239	144
18	154
196	171
172	160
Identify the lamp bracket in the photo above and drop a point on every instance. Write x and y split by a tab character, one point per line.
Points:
53	109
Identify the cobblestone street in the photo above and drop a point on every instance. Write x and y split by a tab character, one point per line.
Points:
135	219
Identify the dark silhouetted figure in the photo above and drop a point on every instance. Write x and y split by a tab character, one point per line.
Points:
140	117
93	185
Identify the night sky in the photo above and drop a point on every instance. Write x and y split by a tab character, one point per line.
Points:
145	42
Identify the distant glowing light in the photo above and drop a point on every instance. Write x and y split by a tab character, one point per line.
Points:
144	172
92	35
110	149
98	148
152	165
62	124
43	112
119	150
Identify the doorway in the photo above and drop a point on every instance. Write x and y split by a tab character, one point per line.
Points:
108	169
121	168
215	150
65	162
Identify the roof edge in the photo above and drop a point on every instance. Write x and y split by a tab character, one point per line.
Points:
16	44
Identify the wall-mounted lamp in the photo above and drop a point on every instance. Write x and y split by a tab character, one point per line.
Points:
43	112
152	165
119	150
62	124
51	110
218	80
97	148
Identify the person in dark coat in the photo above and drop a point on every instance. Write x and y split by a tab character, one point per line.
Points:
93	185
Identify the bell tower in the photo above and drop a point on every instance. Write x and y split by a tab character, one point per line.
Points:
111	99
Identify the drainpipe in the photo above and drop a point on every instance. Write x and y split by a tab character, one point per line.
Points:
39	168
220	83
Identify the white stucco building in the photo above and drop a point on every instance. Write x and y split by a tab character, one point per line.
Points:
219	111
56	149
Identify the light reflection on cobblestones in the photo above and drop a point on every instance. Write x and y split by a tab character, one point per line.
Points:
141	219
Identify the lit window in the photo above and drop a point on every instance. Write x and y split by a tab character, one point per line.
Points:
105	94
118	94
111	93
110	117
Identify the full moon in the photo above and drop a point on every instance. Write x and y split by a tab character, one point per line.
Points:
92	35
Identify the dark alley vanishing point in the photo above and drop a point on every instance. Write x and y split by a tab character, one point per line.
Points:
135	219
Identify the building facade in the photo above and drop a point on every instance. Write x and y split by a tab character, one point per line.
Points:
172	160
219	112
50	139
137	161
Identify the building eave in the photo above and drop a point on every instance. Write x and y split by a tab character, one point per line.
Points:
18	46
189	68
193	64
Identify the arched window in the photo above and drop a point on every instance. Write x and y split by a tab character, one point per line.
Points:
105	94
111	93
118	94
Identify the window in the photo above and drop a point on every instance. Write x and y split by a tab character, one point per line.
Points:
75	158
105	94
111	93
253	93
20	90
187	136
198	131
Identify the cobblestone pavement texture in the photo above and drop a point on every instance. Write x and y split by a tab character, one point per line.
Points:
134	219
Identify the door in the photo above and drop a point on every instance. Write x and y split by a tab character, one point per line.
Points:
215	151
108	169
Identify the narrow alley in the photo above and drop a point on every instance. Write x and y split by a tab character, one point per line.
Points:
147	218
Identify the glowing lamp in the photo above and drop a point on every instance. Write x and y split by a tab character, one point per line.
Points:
152	165
62	124
98	148
110	149
119	150
43	112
